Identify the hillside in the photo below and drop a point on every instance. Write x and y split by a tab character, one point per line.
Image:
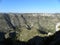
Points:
28	24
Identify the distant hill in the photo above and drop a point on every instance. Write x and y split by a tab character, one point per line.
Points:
28	21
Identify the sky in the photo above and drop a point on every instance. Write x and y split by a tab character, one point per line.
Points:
30	6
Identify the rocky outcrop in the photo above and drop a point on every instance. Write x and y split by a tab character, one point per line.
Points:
9	21
37	22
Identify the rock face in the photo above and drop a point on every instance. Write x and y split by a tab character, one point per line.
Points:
42	22
36	20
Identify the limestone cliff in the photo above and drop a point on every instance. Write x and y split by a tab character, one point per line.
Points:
28	23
